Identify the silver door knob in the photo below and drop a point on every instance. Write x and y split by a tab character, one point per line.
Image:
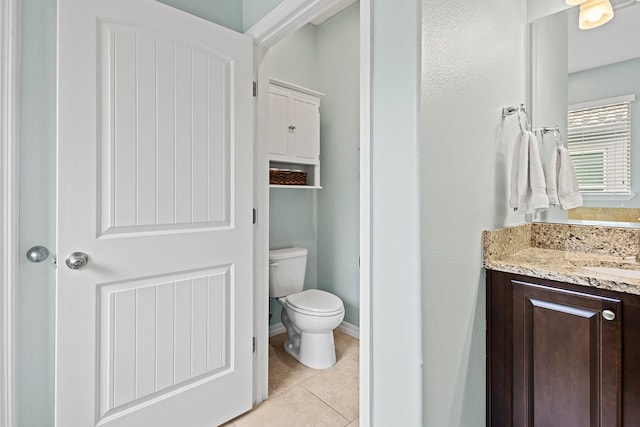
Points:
37	254
77	260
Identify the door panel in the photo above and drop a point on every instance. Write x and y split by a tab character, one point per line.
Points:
155	185
162	179
307	121
279	123
158	333
567	358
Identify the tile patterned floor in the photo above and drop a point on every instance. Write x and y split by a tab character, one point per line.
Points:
303	397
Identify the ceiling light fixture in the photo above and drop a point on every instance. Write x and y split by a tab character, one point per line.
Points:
593	13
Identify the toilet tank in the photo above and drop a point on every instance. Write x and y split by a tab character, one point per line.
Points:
286	271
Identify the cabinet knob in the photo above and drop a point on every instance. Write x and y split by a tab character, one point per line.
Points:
608	315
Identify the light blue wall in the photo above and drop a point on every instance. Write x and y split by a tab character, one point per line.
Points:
396	348
610	81
227	13
293	222
37	213
338	57
294	58
255	10
549	66
473	65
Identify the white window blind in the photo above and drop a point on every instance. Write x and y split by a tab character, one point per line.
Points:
599	141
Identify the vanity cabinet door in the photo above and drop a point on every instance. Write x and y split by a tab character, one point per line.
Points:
567	361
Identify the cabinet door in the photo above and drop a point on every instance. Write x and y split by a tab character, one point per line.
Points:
279	131
306	116
566	358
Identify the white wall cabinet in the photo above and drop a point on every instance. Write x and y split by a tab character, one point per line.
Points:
294	129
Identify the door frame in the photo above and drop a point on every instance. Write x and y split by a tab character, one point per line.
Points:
10	18
283	20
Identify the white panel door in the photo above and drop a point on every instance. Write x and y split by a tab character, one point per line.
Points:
155	186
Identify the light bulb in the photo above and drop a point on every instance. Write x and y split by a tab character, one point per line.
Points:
594	13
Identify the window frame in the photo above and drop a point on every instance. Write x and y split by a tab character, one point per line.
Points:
605	195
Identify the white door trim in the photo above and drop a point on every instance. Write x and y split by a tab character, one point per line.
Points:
283	20
9	199
366	336
286	18
261	231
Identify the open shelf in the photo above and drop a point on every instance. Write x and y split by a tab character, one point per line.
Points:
312	170
306	187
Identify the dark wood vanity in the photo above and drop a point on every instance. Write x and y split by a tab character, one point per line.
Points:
560	354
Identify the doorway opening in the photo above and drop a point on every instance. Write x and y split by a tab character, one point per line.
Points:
332	222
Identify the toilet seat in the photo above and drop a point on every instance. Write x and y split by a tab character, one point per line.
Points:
314	302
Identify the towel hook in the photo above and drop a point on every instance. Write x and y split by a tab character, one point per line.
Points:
527	123
507	111
545	130
557	135
520	110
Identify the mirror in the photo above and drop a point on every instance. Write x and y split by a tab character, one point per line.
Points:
572	66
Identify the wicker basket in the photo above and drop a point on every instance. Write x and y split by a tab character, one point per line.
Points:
287	177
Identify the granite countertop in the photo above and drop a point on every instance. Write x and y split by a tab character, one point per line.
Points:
565	253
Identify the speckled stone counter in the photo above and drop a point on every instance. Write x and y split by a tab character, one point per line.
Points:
564	253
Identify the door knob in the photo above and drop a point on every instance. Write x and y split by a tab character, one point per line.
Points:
37	254
77	260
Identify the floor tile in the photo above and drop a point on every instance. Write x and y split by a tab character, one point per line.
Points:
300	396
355	423
346	345
338	387
284	370
295	407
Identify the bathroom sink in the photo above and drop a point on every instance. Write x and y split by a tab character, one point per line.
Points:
612	271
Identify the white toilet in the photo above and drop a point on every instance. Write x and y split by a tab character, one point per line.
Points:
309	316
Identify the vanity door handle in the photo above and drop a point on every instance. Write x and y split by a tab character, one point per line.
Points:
608	315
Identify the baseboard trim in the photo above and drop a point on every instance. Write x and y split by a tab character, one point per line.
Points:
276	329
347	328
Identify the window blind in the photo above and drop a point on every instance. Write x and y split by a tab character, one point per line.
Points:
599	142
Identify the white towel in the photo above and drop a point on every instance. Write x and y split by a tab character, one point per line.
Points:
528	188
521	140
551	176
568	192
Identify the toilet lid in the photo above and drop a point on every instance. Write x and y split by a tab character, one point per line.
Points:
314	301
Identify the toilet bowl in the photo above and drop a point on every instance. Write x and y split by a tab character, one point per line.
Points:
310	326
309	316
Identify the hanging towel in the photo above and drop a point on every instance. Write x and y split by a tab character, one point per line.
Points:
521	140
551	176
568	192
528	188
